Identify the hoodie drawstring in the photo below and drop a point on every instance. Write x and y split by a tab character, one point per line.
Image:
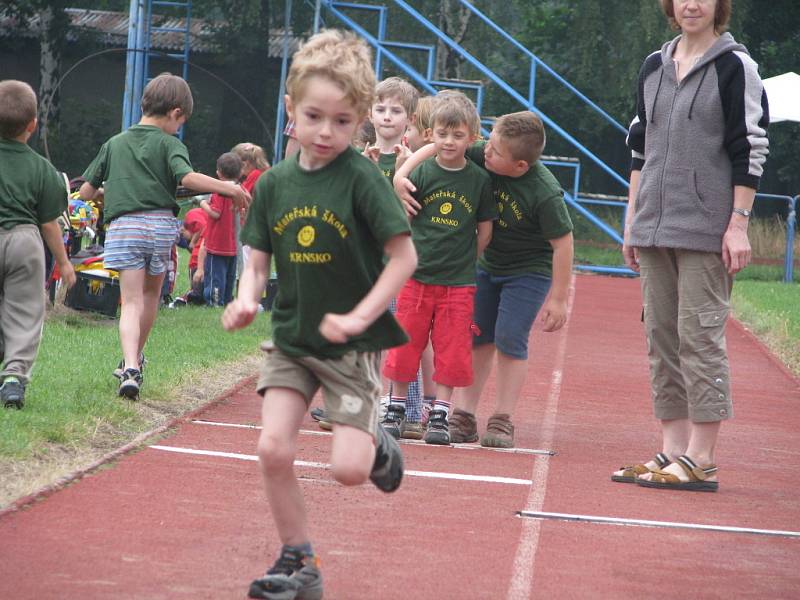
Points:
655	98
697	91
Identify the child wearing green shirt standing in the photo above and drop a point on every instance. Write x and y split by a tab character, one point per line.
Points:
140	169
328	217
450	231
32	196
525	270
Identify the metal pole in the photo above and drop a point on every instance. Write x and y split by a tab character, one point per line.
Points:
128	99
791	230
279	119
317	16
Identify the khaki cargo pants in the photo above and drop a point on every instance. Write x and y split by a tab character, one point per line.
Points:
22	299
686	303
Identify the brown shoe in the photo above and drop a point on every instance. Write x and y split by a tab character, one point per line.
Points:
499	432
463	427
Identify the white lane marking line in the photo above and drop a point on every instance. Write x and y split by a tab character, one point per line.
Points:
648	523
521	584
402	441
319	465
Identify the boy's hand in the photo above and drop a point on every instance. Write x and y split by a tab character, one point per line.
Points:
338	328
554	314
630	253
68	276
372	152
198	276
241	198
239	314
404	190
401	153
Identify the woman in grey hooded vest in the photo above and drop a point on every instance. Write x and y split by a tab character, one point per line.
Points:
698	145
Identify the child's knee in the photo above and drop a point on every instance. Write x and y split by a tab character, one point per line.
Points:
275	454
350	472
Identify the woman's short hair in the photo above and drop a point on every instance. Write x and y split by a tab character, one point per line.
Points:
722	14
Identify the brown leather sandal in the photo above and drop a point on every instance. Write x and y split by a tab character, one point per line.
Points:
463	427
698	478
631	473
499	432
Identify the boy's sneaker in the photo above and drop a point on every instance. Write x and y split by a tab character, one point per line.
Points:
411	430
438	432
463	427
121	366
321	417
387	470
12	393
499	432
294	575
130	382
393	420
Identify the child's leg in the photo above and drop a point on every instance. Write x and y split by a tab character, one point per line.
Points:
22	300
281	414
230	279
482	358
352	454
141	294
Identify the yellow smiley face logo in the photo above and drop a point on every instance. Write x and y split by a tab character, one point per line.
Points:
305	237
500	207
446	208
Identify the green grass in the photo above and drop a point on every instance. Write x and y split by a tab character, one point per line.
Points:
772	311
72	402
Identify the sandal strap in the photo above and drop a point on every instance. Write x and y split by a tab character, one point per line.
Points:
662	460
500	423
694	472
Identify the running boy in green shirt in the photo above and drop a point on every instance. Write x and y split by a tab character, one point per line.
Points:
525	270
140	169
32	197
328	217
451	229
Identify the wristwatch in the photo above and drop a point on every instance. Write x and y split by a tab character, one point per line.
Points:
742	211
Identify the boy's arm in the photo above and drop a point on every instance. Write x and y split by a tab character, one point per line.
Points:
629	253
554	311
206	206
402	262
402	186
51	232
87	191
200	271
241	312
484	235
203	183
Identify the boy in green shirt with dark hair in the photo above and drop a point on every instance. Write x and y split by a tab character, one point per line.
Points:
32	197
525	270
328	217
140	170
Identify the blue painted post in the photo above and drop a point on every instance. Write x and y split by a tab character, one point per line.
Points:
279	118
130	100
791	230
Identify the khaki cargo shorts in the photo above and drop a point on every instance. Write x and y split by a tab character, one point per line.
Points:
351	384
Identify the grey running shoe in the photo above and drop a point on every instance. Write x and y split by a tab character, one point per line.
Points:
438	431
12	393
393	420
121	366
294	576
130	383
387	470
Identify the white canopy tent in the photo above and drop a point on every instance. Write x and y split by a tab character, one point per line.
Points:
783	94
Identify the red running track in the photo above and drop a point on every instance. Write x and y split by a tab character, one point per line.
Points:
160	524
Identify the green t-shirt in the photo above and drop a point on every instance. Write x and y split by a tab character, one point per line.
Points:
140	169
532	211
386	163
326	230
444	230
32	192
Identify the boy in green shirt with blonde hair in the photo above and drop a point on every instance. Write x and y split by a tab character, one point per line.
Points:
328	217
32	197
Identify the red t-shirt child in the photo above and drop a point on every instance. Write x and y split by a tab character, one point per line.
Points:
195	221
220	235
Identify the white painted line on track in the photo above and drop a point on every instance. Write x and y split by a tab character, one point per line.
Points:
521	584
647	523
319	465
402	441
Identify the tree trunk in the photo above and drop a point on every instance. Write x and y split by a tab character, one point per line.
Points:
453	21
51	43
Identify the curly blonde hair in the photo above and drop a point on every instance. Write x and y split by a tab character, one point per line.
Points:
341	57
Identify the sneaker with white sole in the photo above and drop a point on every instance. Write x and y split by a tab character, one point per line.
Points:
293	576
130	383
438	431
12	393
121	366
393	420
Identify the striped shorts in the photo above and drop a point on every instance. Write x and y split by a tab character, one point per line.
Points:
141	240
